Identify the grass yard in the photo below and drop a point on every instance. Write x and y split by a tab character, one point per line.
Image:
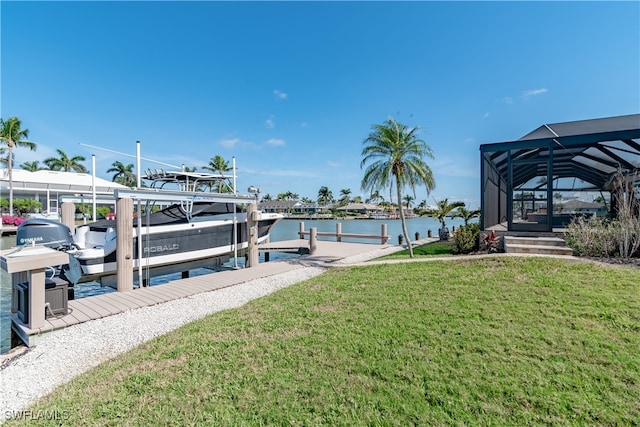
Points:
495	341
438	248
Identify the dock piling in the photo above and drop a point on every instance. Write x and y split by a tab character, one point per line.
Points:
68	216
313	241
124	244
253	216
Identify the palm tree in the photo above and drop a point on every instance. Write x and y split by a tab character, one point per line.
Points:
12	135
189	169
374	197
287	196
123	174
220	165
31	166
217	164
408	200
344	196
396	156
324	196
466	214
442	210
65	163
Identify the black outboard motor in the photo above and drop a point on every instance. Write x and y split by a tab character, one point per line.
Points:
46	232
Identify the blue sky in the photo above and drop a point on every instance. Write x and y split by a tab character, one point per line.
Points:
291	89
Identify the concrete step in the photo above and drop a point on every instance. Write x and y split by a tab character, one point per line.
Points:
536	245
534	241
538	249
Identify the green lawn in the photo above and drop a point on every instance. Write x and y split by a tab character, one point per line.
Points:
438	248
495	341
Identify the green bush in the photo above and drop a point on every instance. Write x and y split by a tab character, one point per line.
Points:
102	211
466	238
24	206
593	236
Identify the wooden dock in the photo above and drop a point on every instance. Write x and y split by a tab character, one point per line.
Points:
99	306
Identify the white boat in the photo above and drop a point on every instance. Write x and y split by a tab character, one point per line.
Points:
190	233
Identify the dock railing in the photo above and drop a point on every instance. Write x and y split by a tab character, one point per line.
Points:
383	237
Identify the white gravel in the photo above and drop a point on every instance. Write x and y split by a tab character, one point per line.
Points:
69	352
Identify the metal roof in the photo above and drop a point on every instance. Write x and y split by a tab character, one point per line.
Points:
589	150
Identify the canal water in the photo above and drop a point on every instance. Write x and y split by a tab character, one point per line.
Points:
284	230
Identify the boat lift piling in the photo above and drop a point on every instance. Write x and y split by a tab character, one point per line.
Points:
124	245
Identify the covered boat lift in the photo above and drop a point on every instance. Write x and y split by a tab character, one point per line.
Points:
520	179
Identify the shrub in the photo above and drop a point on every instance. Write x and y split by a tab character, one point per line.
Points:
12	220
466	238
594	236
23	206
102	211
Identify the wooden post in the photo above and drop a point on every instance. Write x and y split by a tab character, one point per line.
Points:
313	240
383	233
69	216
301	232
253	215
36	299
124	244
338	232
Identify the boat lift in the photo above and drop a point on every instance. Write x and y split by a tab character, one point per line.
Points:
124	223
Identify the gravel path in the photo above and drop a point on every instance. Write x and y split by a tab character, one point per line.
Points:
67	353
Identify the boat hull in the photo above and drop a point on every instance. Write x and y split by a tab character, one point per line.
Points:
175	248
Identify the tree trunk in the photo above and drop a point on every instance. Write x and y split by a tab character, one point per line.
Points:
404	223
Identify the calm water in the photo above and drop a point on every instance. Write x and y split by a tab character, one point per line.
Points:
285	230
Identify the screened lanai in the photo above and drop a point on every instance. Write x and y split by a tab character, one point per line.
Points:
526	183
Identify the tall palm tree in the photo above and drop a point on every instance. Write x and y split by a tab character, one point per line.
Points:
123	174
31	166
65	163
396	157
12	135
466	214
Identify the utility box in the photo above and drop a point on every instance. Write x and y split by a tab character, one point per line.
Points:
56	294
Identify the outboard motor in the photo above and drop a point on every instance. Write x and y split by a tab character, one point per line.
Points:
46	232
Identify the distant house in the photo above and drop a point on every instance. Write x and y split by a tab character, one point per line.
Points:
578	206
292	207
367	209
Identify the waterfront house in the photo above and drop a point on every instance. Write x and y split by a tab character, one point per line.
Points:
48	187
